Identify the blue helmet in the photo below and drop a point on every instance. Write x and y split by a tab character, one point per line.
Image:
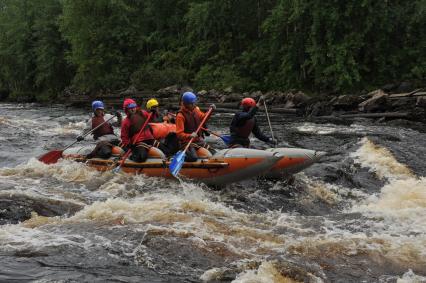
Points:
97	105
189	97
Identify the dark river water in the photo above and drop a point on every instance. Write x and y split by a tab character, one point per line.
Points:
357	216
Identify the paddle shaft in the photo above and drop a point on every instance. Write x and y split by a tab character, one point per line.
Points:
54	155
127	154
89	132
269	121
211	132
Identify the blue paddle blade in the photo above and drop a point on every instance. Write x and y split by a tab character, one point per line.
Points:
226	139
117	169
177	163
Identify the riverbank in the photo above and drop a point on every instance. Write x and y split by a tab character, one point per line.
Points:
399	101
386	103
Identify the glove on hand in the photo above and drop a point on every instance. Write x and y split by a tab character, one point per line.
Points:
194	135
212	106
117	114
80	138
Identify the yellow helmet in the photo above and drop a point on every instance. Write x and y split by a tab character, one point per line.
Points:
151	103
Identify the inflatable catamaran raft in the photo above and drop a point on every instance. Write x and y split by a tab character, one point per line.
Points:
224	167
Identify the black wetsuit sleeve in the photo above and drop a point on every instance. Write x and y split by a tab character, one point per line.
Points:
240	118
244	116
258	133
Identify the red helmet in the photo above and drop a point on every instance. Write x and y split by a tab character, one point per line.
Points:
129	103
248	102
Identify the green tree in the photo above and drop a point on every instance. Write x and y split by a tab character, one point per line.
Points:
17	58
52	72
105	41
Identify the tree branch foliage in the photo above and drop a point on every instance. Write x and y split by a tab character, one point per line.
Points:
327	45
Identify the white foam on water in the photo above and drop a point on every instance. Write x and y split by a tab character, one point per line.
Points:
72	128
378	247
326	129
192	216
381	161
403	200
15	238
393	230
63	170
328	193
266	273
322	129
65	179
211	274
411	277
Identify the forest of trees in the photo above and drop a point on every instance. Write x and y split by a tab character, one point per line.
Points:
106	45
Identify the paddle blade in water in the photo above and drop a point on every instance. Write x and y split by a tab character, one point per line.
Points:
177	163
226	139
51	157
116	169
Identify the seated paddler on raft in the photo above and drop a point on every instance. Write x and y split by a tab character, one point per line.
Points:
153	106
102	125
244	123
164	140
136	134
188	120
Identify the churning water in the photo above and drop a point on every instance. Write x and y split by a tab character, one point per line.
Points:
357	216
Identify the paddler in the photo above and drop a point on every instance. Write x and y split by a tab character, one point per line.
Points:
130	128
153	106
244	123
105	133
188	119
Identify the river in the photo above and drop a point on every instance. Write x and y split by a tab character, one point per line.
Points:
359	215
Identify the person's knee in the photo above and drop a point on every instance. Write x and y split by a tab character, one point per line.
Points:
105	152
191	155
140	154
172	143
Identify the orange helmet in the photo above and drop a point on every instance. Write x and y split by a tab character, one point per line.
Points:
248	102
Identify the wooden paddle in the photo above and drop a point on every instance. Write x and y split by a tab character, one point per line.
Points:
179	158
269	121
127	154
54	155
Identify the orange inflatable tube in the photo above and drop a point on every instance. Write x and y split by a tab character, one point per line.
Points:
161	130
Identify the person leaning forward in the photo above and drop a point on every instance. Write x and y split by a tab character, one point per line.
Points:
188	119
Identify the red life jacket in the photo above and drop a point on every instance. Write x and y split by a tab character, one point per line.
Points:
192	121
245	130
136	122
105	129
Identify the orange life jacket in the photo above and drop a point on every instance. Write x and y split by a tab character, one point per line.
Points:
161	130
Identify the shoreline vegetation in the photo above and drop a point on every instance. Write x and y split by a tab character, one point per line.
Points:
308	57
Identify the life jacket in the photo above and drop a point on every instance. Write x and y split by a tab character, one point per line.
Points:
161	130
105	129
245	130
136	122
192	121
